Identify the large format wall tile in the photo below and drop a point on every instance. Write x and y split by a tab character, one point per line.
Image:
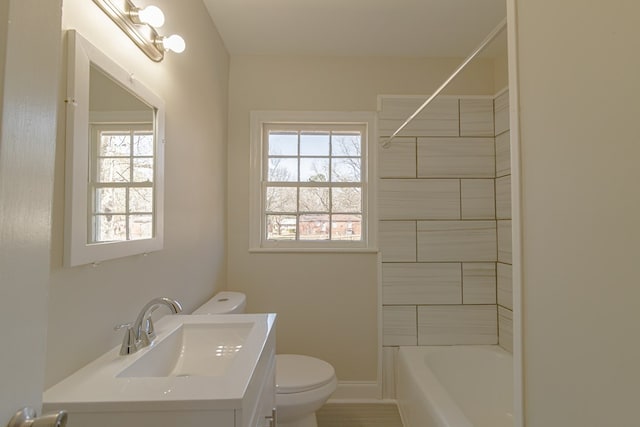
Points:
458	324
419	199
503	154
505	328
477	198
399	325
456	158
501	106
504	241
479	283
505	285
503	197
456	241
397	240
419	283
476	117
398	160
440	118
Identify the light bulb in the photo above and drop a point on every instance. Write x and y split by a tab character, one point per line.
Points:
151	15
174	43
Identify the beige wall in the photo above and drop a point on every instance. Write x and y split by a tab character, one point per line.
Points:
579	91
86	302
327	302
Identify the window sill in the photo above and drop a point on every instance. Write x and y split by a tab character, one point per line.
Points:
315	250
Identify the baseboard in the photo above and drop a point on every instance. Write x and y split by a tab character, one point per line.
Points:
357	392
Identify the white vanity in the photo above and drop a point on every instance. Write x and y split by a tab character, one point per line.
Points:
200	371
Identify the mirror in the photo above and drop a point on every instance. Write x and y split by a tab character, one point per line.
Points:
114	166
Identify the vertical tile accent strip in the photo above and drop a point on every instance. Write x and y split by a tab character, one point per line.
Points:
505	325
504	241
502	113
505	285
503	154
503	197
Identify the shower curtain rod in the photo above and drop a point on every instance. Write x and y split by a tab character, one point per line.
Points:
494	33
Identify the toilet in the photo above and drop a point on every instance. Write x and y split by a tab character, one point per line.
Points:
303	383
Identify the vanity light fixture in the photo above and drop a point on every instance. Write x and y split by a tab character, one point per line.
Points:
140	25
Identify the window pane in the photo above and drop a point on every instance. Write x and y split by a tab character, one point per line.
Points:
346	199
346	227
346	170
283	170
314	227
111	200
110	227
143	144
281	227
114	170
114	144
281	199
314	199
140	227
141	200
143	170
346	144
283	143
314	170
314	144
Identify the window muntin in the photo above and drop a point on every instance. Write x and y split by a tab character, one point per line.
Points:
121	183
313	184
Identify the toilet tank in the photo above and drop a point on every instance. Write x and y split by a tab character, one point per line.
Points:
225	302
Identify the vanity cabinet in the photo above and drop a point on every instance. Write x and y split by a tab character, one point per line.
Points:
236	389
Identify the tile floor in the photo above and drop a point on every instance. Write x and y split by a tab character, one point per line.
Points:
359	415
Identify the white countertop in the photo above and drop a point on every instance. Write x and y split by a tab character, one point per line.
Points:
97	387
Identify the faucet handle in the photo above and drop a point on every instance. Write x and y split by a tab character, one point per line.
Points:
129	339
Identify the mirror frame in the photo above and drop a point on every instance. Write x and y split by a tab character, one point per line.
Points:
77	249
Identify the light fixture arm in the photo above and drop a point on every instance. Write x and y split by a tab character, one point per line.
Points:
126	15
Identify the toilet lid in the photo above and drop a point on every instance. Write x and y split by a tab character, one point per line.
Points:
296	373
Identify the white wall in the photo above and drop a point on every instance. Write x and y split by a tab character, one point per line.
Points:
29	58
327	303
579	90
86	302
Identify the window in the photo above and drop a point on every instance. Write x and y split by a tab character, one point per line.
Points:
310	183
121	183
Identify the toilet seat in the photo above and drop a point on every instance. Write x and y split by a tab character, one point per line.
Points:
296	373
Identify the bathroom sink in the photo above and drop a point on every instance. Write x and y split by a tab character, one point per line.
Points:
192	350
195	363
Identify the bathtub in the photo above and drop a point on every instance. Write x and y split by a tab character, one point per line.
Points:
455	386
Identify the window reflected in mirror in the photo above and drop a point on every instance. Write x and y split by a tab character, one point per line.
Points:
121	179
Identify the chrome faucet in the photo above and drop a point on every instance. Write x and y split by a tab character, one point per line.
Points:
141	333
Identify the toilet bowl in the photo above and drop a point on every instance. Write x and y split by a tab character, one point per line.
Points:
303	383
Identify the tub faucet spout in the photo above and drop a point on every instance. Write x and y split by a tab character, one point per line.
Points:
141	334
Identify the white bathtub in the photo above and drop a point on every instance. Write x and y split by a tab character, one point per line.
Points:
455	386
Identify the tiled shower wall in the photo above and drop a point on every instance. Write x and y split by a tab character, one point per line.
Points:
444	210
503	215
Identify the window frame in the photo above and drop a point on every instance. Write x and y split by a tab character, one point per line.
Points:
307	120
